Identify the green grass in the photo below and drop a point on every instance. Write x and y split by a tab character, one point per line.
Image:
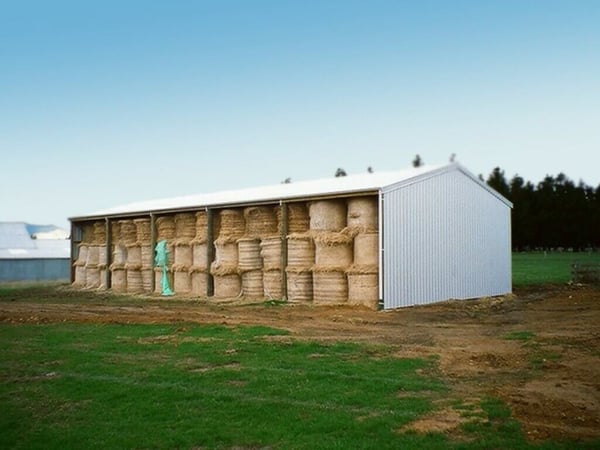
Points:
187	386
534	268
519	335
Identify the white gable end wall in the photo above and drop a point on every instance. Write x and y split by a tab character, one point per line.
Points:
444	237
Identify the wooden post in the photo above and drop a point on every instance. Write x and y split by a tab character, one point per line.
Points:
210	252
284	248
108	275
152	247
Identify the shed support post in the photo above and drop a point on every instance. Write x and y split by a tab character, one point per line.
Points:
284	248
152	247
108	275
210	252
73	255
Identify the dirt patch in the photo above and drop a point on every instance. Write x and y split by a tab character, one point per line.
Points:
550	376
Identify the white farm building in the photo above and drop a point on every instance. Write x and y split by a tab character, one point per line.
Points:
410	237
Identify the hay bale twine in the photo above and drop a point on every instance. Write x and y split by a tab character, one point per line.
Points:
272	283
301	250
333	249
226	252
143	231
82	255
118	279
80	275
260	221
362	213
249	254
182	281
128	234
92	277
298	219
270	252
327	215
363	288
199	257
232	223
366	249
299	284
227	285
165	228
134	280
134	254
252	284
199	286
99	233
183	255
330	287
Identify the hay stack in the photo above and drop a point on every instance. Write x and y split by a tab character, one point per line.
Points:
252	284
226	253
362	213
272	283
185	227
249	254
102	254
92	277
93	256
99	233
363	286
134	280
147	256
119	255
165	228
301	250
115	231
87	233
201	227
333	250
327	215
330	286
182	259
260	221
232	224
103	271
227	282
270	252
82	255
182	281
299	284
199	256
298	219
366	249
143	231
80	275
147	274
199	286
119	279
128	233
134	255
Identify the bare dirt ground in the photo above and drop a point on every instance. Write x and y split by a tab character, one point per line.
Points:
550	377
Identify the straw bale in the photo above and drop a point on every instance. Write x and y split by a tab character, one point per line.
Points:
260	221
119	280
134	281
362	213
223	269
299	286
228	285
183	255
330	287
327	215
270	251
363	289
87	233
80	275
333	253
128	233
272	283
226	253
147	256
198	269
363	269
182	282
103	271
133	266
119	254
301	250
366	248
134	254
249	254
199	257
147	274
298	219
92	277
99	232
115	231
232	223
143	231
201	226
199	286
165	228
332	238
93	256
82	255
102	262
185	227
252	284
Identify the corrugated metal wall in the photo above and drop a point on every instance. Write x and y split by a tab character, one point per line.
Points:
34	269
446	237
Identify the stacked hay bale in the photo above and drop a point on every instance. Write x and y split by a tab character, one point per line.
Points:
165	230
363	279
93	261
225	266
301	254
144	240
185	232
87	239
270	252
133	259
100	240
199	255
119	259
333	251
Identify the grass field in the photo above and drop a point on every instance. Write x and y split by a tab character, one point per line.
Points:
533	268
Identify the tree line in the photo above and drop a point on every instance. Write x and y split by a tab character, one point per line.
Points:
554	213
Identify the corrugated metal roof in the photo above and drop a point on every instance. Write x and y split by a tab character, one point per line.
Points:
16	242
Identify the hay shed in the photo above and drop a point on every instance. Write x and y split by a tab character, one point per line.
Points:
383	239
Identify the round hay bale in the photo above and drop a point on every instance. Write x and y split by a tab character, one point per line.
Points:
134	254
201	227
119	280
183	255
330	287
199	286
362	213
252	284
147	274
143	231
272	283
147	256
298	219
115	231
165	228
92	277
185	227
93	256
134	281
227	286
363	289
82	255
99	232
249	254
119	254
260	221
270	252
128	234
232	223
327	215
87	232
366	249
199	257
103	271
182	281
102	261
333	249
80	275
301	250
226	253
299	285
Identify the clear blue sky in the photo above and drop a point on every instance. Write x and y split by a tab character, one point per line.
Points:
104	103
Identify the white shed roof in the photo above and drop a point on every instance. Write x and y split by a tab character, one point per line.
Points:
19	240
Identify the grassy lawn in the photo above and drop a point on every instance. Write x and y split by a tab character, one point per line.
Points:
157	386
552	267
